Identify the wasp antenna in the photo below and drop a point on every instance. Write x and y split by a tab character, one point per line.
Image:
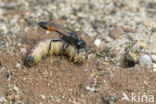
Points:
43	25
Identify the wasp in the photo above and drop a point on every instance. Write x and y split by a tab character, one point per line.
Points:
65	34
68	44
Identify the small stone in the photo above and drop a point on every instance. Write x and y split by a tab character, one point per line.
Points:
50	74
91	56
16	89
47	32
153	57
18	66
19	44
154	67
63	96
116	32
43	96
92	33
82	95
70	90
58	100
48	84
51	98
131	36
20	102
90	89
23	50
145	60
2	99
97	42
85	70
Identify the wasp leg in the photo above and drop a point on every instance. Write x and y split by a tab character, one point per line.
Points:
78	51
54	40
62	51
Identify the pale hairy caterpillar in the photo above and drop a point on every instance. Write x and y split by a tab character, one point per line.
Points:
41	50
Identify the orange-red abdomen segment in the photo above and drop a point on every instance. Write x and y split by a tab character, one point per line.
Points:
51	29
47	26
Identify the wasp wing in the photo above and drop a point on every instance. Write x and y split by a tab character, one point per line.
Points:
55	28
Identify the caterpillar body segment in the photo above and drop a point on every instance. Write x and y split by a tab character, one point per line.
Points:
37	52
44	48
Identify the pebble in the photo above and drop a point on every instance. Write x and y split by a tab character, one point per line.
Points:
154	67
23	50
50	98
90	89
131	37
43	96
97	42
85	70
47	32
18	65
153	57
2	69
2	99
58	100
70	90
116	32
145	60
91	56
19	44
16	89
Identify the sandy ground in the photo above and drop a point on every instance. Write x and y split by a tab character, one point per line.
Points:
45	83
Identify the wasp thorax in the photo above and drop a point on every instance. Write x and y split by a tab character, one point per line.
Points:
73	36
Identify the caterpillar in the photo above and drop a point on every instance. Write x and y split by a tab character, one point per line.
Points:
44	48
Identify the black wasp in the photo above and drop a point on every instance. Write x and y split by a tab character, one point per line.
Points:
66	35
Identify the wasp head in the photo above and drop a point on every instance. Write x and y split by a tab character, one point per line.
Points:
81	43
